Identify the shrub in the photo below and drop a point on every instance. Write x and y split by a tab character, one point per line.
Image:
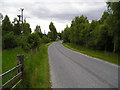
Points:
33	40
9	41
45	39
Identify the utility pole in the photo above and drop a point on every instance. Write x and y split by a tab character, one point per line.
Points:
22	18
19	17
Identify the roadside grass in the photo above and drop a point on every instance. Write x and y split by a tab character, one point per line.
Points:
36	67
103	55
9	60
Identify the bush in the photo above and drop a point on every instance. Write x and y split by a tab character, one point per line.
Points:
33	40
9	41
45	39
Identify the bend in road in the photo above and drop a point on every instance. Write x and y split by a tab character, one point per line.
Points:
70	69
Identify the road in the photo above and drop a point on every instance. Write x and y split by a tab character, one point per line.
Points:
70	69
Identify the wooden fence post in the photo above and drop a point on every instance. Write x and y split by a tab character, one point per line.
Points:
20	60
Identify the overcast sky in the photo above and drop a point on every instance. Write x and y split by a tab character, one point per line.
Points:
60	12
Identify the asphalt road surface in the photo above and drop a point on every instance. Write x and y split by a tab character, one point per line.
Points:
70	69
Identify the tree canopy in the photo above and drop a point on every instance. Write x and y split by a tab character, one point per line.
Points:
53	33
16	34
103	34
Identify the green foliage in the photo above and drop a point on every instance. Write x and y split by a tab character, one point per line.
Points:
53	33
37	29
24	44
36	67
59	34
26	29
76	33
13	36
103	55
103	34
45	39
9	41
17	28
6	25
40	34
65	35
33	40
114	11
102	37
50	35
104	17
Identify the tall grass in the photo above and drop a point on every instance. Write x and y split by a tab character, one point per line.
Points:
37	70
36	67
9	61
104	55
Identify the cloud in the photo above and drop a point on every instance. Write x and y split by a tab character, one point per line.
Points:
59	11
67	11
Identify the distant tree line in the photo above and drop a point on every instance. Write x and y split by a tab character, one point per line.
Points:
103	34
13	35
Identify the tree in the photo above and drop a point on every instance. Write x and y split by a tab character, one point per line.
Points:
6	25
8	38
103	34
16	27
45	39
92	31
114	11
101	37
38	31
33	40
9	41
53	32
65	34
77	30
104	17
26	29
59	34
50	36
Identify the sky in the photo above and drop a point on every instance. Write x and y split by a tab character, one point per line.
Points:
60	12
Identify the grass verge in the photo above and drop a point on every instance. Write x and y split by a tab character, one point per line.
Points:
106	56
9	60
36	67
